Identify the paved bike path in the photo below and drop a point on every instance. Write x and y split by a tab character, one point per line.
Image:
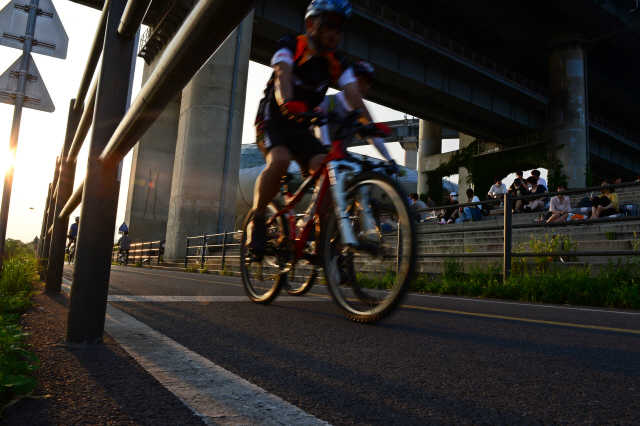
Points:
447	360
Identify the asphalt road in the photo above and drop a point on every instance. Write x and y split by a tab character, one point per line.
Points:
438	360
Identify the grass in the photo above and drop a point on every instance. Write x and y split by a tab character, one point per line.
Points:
204	271
225	270
616	285
16	362
191	268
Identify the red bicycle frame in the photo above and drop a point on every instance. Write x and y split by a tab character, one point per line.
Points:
338	152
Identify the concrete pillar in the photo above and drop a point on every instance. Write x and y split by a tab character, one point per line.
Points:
463	173
430	143
149	193
567	104
197	186
411	158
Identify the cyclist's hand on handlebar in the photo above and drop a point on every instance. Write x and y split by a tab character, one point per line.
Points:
382	129
392	167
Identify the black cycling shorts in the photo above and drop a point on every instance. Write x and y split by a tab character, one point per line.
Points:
300	141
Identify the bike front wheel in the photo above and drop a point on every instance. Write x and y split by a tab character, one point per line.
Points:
368	281
262	279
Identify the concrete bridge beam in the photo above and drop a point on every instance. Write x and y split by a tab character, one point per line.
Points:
568	105
430	144
197	185
151	173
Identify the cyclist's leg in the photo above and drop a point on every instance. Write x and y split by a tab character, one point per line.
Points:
272	143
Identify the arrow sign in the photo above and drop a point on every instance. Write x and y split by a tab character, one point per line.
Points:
50	38
36	95
123	228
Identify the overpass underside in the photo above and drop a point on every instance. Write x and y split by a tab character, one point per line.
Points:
493	70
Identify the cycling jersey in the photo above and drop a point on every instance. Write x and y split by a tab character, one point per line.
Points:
73	230
312	74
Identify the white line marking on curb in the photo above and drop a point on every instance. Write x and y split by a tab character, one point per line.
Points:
218	396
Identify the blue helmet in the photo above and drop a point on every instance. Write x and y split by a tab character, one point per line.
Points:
319	7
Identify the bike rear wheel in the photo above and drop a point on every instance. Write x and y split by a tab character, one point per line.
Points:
263	279
300	278
368	282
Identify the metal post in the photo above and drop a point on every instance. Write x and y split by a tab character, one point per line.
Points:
90	286
507	237
44	224
65	189
204	244
44	262
224	248
186	254
15	126
149	255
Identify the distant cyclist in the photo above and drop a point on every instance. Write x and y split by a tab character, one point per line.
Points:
304	68
125	244
73	233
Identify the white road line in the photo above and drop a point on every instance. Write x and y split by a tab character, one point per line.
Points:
529	304
216	395
199	299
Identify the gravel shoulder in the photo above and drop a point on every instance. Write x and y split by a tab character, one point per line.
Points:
99	385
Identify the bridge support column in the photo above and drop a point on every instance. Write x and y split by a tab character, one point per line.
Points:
463	173
568	106
411	158
151	174
430	143
203	137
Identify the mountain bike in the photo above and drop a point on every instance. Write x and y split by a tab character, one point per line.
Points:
365	243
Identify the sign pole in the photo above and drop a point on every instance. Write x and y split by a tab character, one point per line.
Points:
15	125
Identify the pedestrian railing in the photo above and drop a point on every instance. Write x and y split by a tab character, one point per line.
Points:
507	227
212	246
141	252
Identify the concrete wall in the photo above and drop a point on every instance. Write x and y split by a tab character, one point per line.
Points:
151	174
197	186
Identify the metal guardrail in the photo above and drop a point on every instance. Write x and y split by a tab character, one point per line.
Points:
449	46
141	252
608	127
205	249
507	227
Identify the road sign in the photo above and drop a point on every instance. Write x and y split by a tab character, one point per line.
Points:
36	94
50	38
123	228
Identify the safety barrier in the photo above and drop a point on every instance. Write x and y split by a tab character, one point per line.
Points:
203	250
141	252
507	228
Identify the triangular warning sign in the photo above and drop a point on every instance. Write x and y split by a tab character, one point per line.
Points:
36	95
50	38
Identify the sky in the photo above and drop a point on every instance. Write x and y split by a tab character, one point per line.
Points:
42	134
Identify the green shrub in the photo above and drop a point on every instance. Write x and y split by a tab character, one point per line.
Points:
204	271
16	362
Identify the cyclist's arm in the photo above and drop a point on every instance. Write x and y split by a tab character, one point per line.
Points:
283	85
355	100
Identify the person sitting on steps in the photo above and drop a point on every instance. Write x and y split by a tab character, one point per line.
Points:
560	206
536	188
517	190
605	204
470	213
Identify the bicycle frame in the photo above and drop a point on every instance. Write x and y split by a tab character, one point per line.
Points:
327	177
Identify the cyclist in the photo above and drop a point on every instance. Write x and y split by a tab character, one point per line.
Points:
125	244
304	68
339	105
73	233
